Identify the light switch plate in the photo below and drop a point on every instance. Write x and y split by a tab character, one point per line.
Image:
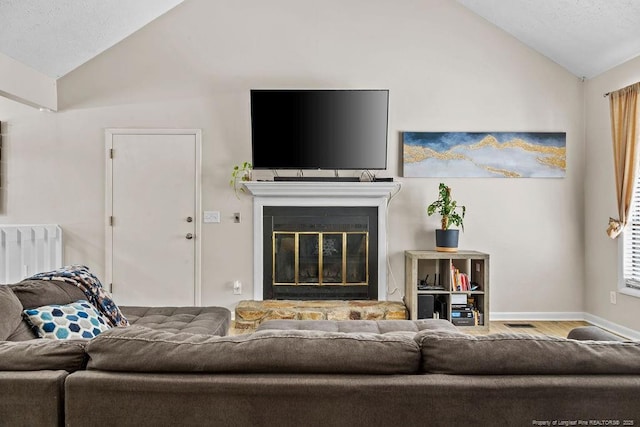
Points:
211	216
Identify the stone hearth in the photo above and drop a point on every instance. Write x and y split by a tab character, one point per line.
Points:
249	314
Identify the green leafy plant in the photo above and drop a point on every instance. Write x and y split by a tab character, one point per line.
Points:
447	208
239	174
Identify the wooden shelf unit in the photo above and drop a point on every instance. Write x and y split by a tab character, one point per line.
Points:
419	264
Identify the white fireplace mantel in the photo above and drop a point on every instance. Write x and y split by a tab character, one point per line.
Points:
310	193
307	189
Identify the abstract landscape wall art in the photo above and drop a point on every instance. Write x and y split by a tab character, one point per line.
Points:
484	154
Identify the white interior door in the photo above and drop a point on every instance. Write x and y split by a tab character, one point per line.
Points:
153	217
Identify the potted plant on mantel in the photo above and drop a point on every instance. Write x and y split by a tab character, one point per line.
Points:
447	238
240	174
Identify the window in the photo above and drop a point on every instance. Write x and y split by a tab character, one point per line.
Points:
624	104
631	242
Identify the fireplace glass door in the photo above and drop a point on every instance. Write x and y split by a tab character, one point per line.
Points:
320	258
320	252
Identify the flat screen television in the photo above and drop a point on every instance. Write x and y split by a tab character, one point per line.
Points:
319	129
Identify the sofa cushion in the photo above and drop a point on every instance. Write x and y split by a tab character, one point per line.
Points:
592	333
10	312
36	293
446	352
24	332
35	355
194	320
78	320
371	326
32	398
136	349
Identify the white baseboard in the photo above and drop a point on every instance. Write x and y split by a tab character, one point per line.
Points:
612	327
568	316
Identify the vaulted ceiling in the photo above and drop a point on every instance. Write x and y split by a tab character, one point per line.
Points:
53	37
587	37
56	36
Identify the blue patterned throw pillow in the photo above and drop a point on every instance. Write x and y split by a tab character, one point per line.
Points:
60	322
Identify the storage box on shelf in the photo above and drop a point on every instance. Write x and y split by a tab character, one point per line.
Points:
445	285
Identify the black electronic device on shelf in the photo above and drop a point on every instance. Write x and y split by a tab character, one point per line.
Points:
424	285
425	306
318	178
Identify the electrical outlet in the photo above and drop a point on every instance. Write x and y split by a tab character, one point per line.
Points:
211	216
612	297
237	287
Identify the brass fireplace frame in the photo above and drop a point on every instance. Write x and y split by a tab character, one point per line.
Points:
320	281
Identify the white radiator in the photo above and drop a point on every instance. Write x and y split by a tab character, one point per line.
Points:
29	249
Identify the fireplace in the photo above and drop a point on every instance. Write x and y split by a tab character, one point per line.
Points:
320	252
320	240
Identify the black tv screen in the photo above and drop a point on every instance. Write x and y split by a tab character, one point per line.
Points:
319	129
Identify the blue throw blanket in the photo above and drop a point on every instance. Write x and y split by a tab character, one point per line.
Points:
80	276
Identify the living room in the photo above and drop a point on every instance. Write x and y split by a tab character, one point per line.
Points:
446	68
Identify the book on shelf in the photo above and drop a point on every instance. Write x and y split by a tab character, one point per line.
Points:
459	281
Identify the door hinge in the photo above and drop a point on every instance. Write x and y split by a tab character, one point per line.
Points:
111	153
111	221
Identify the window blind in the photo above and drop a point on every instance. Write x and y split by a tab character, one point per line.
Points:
632	242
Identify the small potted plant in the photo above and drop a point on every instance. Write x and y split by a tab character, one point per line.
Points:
447	238
240	174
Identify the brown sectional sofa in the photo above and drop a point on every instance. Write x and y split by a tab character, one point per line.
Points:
355	373
33	371
330	373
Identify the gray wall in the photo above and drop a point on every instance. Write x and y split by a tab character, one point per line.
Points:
447	70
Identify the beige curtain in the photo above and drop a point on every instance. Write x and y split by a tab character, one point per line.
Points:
624	131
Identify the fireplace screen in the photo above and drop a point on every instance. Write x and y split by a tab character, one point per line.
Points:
320	258
320	252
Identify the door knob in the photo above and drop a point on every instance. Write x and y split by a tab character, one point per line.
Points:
189	219
189	236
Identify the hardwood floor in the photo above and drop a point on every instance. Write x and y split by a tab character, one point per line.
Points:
554	329
549	328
